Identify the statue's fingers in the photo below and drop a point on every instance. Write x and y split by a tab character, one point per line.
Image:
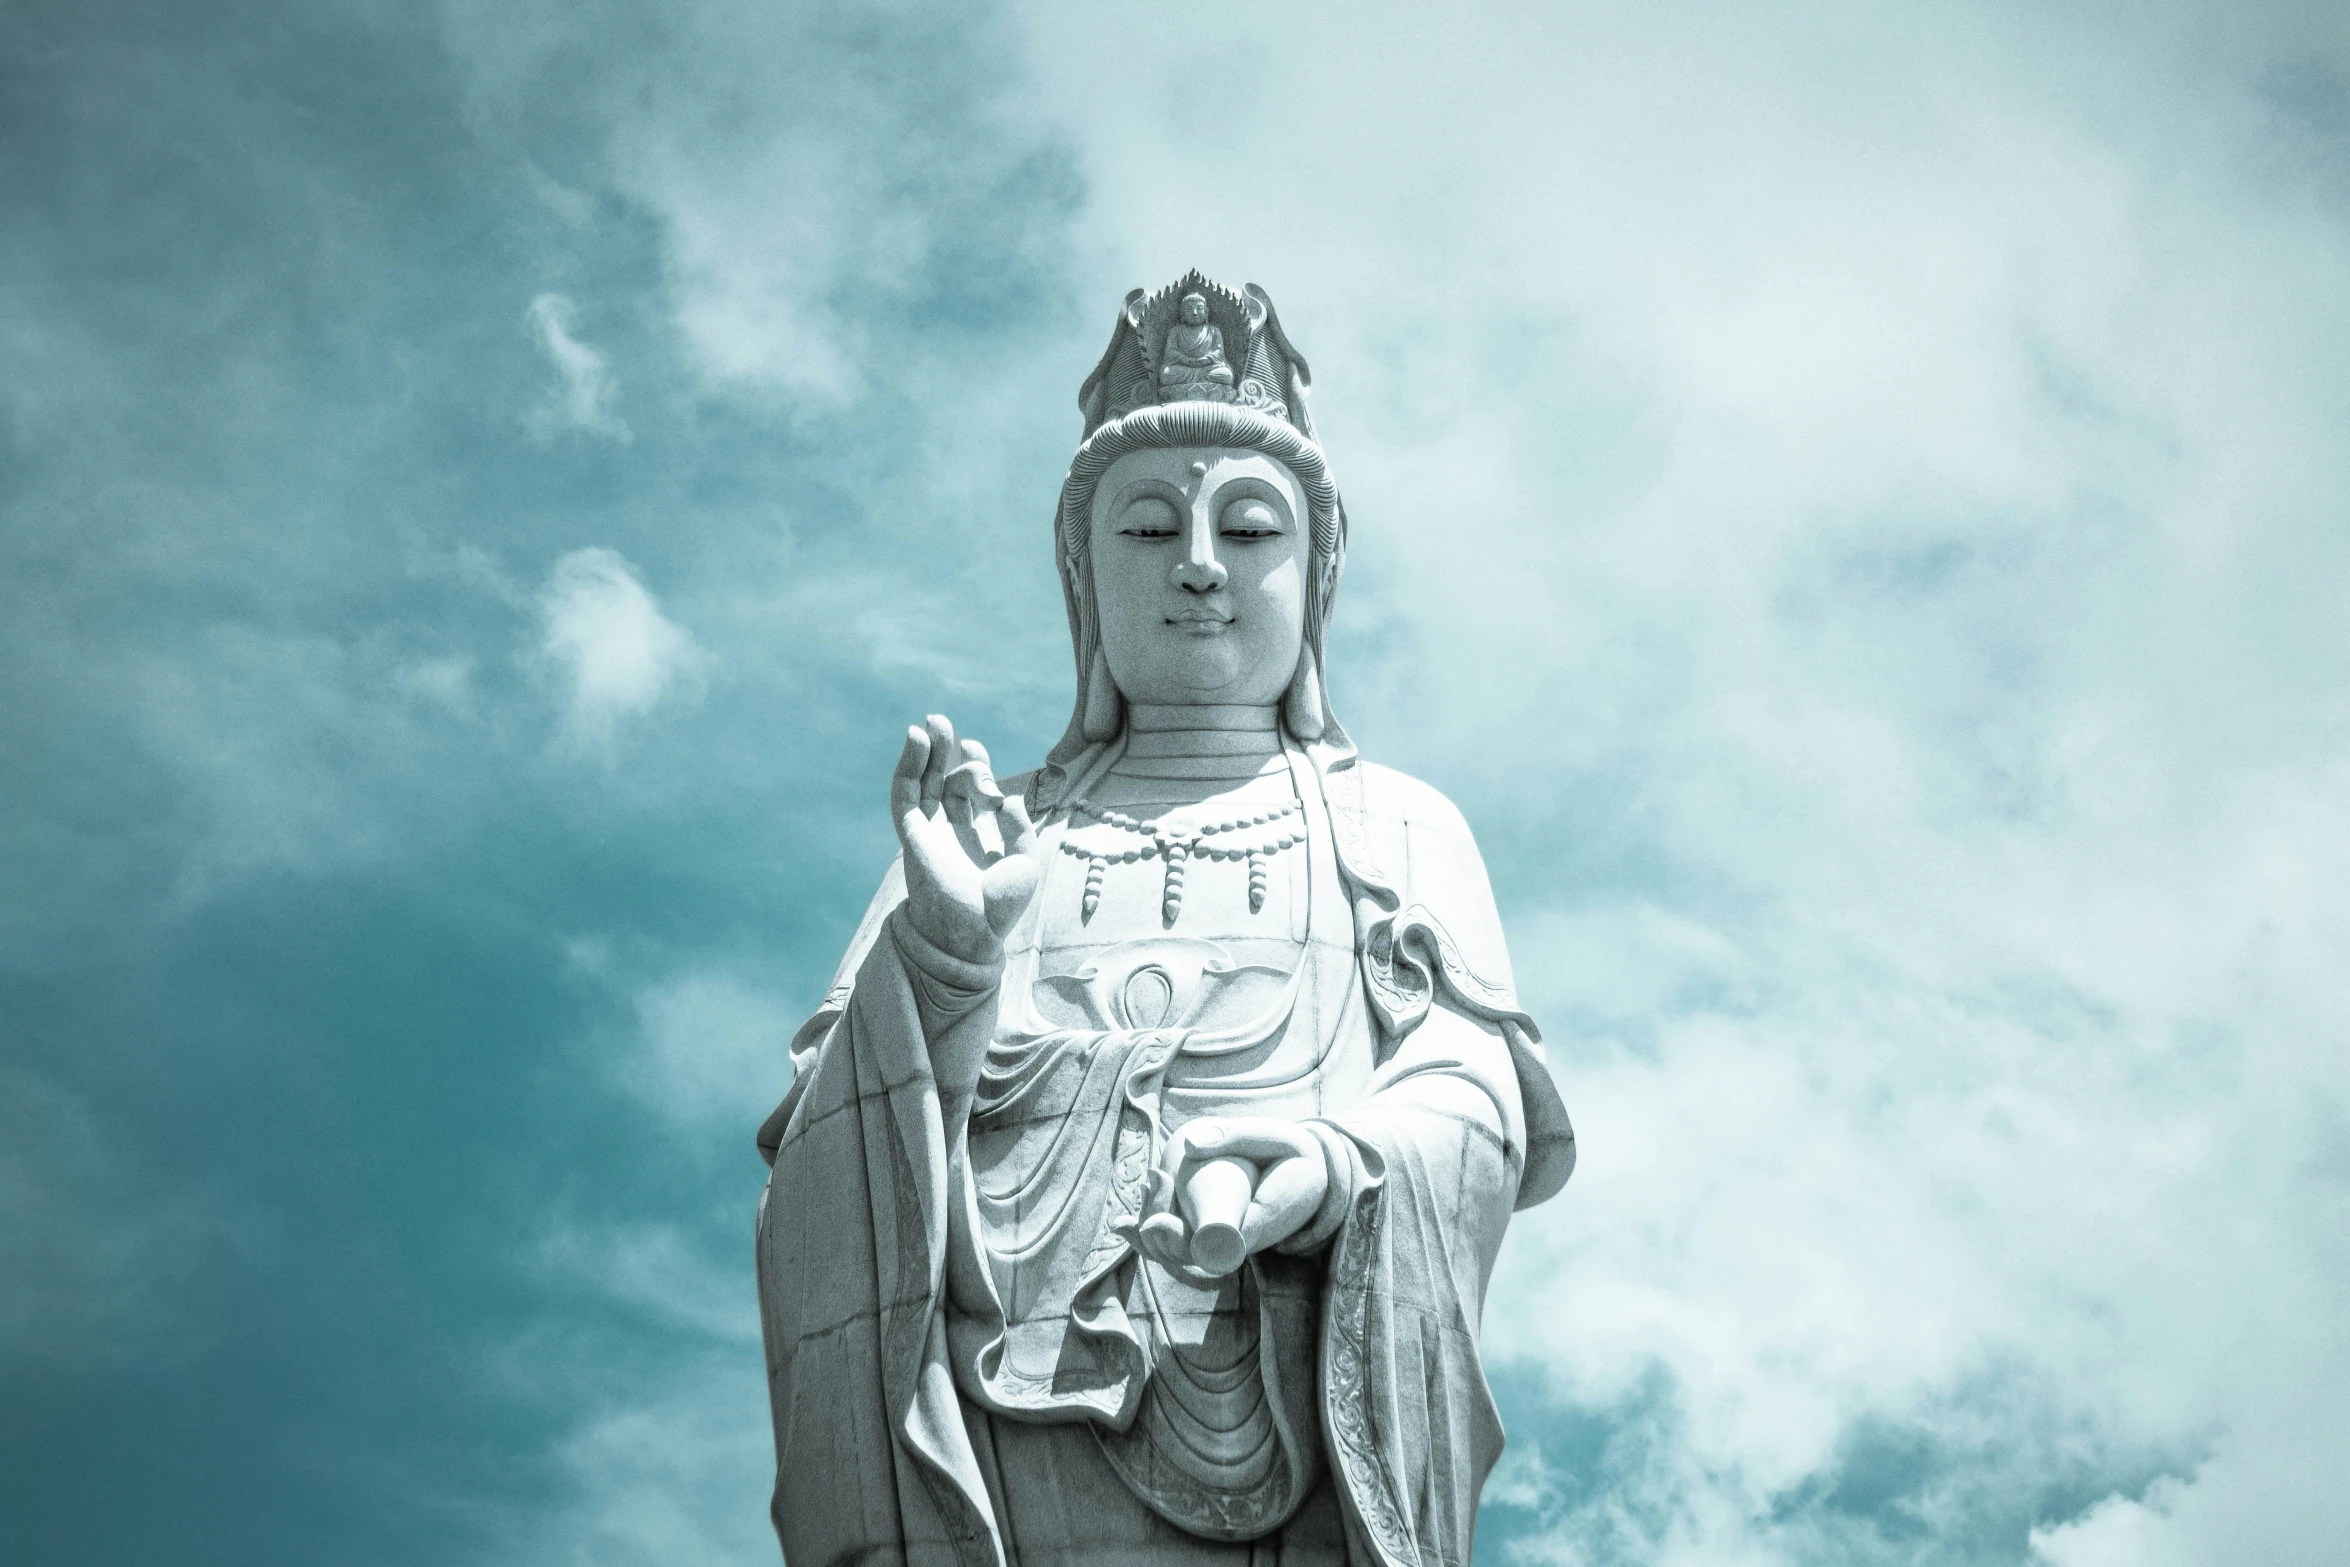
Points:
1189	1143
970	787
905	784
1005	890
941	761
917	837
1262	1140
1165	1239
1020	839
1174	1154
981	769
1161	1196
1285	1202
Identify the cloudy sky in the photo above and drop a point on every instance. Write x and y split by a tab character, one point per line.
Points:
1849	499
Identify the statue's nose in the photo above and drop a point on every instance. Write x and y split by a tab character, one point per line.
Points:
1200	571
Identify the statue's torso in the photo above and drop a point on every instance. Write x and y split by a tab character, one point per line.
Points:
1220	966
1242	985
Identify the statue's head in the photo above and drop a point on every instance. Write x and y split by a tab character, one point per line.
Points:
1200	539
1200	557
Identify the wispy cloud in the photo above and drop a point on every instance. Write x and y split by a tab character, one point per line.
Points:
615	656
712	1044
583	395
756	139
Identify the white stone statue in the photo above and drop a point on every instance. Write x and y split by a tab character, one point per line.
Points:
1143	1169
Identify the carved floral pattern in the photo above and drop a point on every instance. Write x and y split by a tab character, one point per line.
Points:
1346	1382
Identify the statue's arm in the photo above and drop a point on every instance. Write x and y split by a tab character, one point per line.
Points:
956	1002
953	958
954	999
1429	1174
1452	1071
1458	1064
1448	922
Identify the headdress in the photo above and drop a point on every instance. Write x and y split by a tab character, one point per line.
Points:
1267	374
1232	380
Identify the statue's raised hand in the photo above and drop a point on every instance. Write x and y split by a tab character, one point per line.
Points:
971	860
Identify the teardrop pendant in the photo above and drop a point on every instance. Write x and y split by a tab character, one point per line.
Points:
1171	905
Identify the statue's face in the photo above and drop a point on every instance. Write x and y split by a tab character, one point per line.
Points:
1195	309
1200	565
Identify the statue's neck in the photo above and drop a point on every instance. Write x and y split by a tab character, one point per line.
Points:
1200	718
1199	743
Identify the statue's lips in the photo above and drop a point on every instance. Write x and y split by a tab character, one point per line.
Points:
1200	623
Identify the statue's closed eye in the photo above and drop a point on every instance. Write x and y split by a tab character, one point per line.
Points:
1251	519
1149	518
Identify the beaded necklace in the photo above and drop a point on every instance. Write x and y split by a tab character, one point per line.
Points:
1178	846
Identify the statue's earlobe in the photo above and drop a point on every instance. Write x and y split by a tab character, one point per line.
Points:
1301	705
1102	713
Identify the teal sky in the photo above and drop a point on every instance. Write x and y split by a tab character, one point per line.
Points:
1848	499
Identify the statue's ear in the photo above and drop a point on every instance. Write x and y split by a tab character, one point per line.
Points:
1103	715
1301	706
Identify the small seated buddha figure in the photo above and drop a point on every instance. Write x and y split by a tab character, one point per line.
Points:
1193	363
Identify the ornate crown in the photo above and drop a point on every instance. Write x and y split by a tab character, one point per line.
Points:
1233	352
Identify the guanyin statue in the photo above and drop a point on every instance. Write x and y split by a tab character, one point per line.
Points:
1143	1170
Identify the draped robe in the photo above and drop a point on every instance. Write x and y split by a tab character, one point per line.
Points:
917	1278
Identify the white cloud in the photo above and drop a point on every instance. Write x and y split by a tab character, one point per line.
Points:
802	170
658	1269
679	1476
2119	1532
583	393
1841	497
1849	499
617	656
445	683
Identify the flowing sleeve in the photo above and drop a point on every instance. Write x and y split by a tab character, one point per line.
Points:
1460	1125
1411	1426
873	1460
811	1036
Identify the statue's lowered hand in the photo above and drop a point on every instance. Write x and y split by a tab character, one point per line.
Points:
1201	1192
971	859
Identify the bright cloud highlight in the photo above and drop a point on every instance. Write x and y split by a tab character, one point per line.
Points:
615	655
584	393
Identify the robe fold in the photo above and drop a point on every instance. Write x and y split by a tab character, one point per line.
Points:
901	1293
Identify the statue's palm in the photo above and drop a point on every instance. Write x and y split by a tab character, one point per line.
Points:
971	860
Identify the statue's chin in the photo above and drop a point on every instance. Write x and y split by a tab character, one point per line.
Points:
1189	667
1175	663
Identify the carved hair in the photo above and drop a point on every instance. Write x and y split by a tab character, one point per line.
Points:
1178	425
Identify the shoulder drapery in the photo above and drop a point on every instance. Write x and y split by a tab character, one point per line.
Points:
1426	929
